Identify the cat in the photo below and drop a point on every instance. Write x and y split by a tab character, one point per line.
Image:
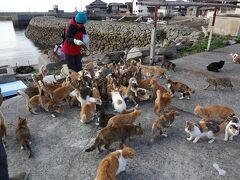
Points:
162	101
88	111
118	102
122	119
213	112
114	163
58	94
215	66
208	129
111	134
235	58
163	123
225	82
168	64
232	128
3	128
179	87
155	86
41	100
103	118
23	135
149	71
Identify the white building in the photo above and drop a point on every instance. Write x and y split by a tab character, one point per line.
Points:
140	10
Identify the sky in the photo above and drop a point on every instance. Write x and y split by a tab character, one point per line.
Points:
45	5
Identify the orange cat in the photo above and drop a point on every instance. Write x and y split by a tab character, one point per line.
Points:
155	86
58	94
162	101
88	111
121	119
213	112
114	163
23	135
3	128
153	71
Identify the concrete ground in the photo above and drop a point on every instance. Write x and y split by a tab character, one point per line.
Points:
58	143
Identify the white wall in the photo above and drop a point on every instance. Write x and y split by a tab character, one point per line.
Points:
140	10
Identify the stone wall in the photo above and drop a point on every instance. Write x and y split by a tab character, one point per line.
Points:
106	36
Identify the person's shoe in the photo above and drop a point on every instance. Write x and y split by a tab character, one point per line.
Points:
20	176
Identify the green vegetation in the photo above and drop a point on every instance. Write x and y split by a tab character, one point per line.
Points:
217	42
161	35
55	71
24	69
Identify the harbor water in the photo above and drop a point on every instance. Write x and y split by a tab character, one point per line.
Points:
15	48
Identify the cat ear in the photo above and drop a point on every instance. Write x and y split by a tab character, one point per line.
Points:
124	146
139	124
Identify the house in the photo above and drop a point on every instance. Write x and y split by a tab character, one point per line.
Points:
97	7
117	8
141	10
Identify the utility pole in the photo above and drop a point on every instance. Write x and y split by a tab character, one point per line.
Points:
211	30
153	37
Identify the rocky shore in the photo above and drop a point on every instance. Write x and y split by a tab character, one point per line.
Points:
108	36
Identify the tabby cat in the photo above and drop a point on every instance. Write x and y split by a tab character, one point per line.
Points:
225	82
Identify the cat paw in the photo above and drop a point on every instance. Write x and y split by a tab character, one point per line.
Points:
53	115
21	148
30	142
189	139
211	141
230	139
165	135
225	139
181	98
97	124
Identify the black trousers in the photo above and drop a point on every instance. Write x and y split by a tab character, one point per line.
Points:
74	62
3	162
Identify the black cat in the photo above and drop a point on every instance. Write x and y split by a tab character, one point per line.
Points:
215	66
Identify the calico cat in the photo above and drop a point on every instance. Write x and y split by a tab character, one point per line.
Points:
3	129
114	163
215	66
122	119
213	112
179	87
232	128
225	82
88	111
111	134
163	123
162	101
23	135
231	131
209	129
168	64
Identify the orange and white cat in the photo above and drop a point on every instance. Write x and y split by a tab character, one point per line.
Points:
118	102
213	112
114	163
88	112
121	119
3	128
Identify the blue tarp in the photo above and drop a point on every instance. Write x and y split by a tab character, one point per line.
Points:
9	89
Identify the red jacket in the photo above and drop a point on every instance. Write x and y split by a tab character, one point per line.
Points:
72	32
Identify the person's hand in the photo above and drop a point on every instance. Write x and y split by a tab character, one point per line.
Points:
78	42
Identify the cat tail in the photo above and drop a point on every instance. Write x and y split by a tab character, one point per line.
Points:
130	110
28	147
42	86
94	146
25	96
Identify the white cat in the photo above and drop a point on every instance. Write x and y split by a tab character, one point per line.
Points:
118	102
82	101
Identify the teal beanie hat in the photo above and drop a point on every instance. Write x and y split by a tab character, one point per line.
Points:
81	18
